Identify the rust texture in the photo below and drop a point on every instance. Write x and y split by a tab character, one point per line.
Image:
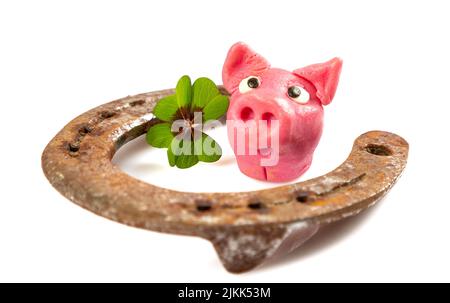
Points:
246	228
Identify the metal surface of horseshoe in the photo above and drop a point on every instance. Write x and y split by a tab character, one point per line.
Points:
246	228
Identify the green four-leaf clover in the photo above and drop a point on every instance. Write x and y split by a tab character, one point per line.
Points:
179	130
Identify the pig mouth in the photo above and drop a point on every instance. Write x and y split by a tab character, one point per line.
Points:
265	173
265	152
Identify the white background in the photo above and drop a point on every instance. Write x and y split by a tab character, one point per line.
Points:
60	58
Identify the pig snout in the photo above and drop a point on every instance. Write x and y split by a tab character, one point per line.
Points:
265	131
267	115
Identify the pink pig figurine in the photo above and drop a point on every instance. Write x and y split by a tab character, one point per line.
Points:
275	117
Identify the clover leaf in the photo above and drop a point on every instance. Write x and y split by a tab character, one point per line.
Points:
184	92
166	108
215	108
160	135
187	145
203	91
207	149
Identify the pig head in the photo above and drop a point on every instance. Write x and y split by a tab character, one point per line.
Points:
275	116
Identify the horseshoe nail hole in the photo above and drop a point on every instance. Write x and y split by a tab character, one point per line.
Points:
74	147
378	150
136	103
302	197
203	206
247	114
107	114
85	129
256	205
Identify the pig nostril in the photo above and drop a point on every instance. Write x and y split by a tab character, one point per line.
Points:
268	117
247	114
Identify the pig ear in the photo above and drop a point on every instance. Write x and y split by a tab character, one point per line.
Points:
241	62
324	76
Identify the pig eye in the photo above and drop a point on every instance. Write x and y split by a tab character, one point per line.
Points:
248	84
299	94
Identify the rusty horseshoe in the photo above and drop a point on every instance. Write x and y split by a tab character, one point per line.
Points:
246	228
